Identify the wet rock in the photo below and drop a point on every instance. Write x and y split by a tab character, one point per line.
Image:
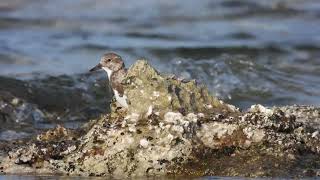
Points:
56	95
29	106
52	145
304	114
14	110
64	96
154	136
13	135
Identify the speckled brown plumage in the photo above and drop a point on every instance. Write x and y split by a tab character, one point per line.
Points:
116	80
115	68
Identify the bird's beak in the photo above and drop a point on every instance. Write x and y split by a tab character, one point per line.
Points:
97	67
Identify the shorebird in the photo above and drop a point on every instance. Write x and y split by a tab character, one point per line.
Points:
113	64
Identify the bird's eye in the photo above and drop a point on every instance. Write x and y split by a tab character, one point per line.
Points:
108	60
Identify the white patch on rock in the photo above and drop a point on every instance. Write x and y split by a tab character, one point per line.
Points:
170	137
132	128
212	133
192	117
15	101
132	118
149	112
315	134
232	107
247	143
177	128
161	125
200	115
255	135
156	93
261	109
144	143
129	140
69	150
172	117
208	106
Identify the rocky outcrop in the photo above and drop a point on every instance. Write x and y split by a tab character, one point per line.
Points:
173	126
148	90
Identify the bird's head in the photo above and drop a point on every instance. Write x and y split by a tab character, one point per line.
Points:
110	62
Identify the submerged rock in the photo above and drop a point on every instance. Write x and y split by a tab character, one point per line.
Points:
27	107
16	114
59	96
174	126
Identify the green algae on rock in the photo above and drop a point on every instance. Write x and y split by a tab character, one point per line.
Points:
173	127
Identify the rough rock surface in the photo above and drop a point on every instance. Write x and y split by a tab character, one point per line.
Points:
148	90
176	127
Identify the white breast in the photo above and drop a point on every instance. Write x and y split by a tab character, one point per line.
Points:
121	100
109	71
